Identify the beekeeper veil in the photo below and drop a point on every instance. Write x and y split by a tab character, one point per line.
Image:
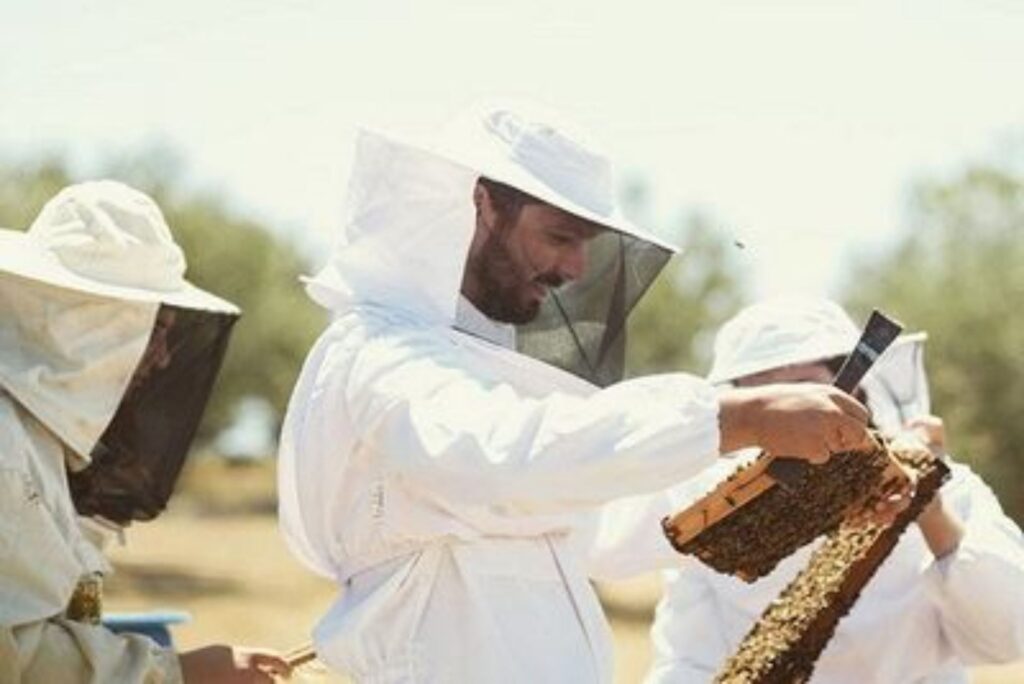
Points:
105	343
410	220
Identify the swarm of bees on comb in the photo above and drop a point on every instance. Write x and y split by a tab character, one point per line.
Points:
750	522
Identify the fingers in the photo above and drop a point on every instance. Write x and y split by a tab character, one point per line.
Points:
841	434
884	510
895	496
800	420
887	509
850	434
850	406
927	422
817	456
931	431
836	433
268	666
271	664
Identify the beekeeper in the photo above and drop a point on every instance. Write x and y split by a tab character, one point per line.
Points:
951	594
107	355
449	432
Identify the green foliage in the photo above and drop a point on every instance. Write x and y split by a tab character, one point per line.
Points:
228	254
673	326
244	263
25	187
959	274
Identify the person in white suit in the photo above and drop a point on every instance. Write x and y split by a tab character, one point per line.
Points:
107	354
437	461
950	595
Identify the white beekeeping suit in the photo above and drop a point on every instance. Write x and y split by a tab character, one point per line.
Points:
80	296
920	619
438	475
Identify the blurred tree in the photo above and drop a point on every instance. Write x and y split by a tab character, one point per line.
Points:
228	254
674	323
25	187
958	273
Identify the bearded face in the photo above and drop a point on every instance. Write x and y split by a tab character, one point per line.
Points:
520	254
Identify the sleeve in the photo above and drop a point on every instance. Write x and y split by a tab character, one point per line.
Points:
688	636
450	425
627	539
64	651
978	589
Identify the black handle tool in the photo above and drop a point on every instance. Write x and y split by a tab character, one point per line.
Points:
878	334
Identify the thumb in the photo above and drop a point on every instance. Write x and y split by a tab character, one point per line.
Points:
851	435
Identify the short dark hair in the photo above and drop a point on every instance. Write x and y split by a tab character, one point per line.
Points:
834	363
507	200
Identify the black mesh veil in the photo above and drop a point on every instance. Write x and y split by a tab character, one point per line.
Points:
581	327
137	460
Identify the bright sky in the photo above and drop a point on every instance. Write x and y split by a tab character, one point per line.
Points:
796	124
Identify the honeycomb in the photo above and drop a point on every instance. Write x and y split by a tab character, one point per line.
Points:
784	644
749	523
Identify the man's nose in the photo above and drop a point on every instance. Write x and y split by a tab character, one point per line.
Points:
574	262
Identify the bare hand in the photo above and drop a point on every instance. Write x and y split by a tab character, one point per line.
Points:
803	420
883	509
942	528
931	431
231	665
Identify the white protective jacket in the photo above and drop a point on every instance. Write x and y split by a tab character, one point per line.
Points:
65	359
919	620
443	480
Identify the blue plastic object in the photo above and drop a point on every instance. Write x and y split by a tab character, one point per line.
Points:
154	624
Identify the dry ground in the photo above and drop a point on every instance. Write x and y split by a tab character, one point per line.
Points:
217	555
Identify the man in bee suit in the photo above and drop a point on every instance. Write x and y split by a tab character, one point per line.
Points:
461	418
107	356
951	593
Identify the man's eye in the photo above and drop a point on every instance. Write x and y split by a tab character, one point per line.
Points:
559	239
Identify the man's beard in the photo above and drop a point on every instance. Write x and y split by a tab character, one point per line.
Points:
502	282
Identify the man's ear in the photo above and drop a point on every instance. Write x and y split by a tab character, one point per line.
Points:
486	215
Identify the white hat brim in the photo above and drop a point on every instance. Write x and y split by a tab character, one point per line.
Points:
497	167
803	356
20	255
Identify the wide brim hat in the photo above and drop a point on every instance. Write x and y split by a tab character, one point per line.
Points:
106	239
536	151
785	331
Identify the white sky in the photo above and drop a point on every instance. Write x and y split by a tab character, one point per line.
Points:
797	124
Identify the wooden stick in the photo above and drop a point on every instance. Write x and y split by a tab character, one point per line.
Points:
300	655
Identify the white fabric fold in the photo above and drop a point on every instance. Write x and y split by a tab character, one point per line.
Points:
68	356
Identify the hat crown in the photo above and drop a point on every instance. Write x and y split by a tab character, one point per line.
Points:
111	233
780	332
555	157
